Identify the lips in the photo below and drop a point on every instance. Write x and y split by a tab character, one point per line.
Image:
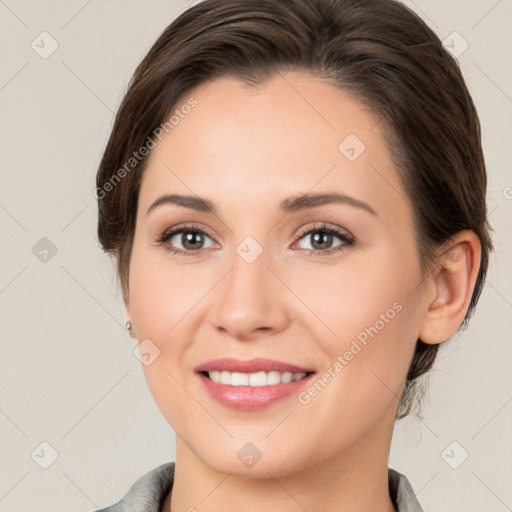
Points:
246	397
229	364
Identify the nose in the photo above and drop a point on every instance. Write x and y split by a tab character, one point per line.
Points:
250	302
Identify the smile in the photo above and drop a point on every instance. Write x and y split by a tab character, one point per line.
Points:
257	379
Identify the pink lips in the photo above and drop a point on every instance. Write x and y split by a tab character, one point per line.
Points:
229	364
248	398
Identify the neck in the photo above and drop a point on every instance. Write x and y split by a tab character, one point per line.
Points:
353	480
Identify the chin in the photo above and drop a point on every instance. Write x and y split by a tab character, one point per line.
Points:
250	462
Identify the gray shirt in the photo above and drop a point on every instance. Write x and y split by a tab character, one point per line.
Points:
148	493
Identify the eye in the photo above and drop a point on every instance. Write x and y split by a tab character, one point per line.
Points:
192	239
322	238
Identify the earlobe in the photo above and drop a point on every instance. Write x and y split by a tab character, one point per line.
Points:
128	323
453	285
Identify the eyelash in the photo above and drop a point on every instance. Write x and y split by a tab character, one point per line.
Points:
323	228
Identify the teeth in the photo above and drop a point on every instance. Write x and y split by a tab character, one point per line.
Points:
254	379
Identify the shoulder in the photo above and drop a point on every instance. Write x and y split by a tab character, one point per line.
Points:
148	493
402	492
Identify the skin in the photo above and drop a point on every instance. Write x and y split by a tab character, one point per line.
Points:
246	150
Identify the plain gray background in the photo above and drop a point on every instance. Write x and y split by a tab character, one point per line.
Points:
69	378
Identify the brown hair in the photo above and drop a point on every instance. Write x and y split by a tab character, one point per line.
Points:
379	50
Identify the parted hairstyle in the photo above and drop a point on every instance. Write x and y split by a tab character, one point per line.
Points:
379	51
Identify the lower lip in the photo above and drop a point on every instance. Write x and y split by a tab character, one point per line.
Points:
248	398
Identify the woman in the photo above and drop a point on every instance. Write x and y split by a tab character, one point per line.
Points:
294	195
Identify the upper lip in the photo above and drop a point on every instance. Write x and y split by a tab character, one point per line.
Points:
230	364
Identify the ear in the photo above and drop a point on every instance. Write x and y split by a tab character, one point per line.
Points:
451	286
128	316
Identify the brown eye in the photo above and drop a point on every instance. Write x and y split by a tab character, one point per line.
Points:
192	240
322	239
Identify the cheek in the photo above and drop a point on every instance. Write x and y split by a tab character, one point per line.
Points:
374	289
164	301
372	315
162	293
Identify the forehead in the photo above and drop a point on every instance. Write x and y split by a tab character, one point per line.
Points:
292	134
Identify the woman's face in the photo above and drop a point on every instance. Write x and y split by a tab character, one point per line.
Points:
266	280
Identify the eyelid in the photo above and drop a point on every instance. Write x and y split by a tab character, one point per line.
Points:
172	231
343	234
325	226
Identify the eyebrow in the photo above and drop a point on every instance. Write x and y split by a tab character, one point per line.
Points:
290	205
